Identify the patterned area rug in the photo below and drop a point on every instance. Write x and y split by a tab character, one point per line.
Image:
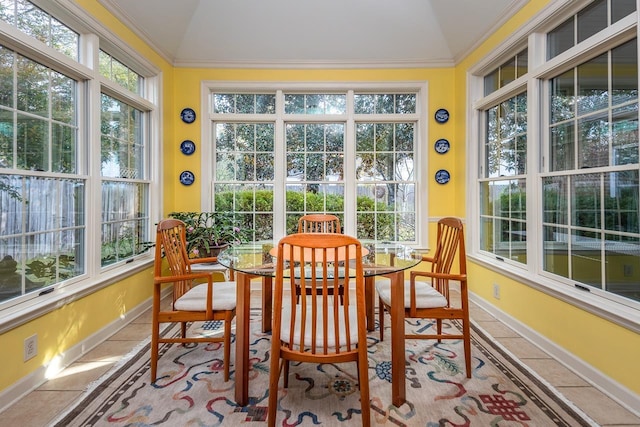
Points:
190	389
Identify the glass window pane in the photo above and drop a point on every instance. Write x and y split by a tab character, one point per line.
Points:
555	200
491	83
560	38
562	97
119	73
586	258
556	251
593	141
33	95
6	76
32	143
621	206
265	104
63	141
6	139
592	19
624	73
522	61
621	8
508	72
562	147
585	201
405	103
625	135
486	234
622	261
593	85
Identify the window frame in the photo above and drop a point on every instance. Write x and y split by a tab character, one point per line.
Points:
349	223
93	37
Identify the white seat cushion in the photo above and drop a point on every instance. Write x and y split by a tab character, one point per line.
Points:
331	339
426	295
224	297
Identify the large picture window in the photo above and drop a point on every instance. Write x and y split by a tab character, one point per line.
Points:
351	153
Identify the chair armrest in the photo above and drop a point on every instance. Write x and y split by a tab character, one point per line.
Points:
182	277
208	260
426	258
449	276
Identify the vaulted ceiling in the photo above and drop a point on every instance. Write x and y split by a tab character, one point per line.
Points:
305	33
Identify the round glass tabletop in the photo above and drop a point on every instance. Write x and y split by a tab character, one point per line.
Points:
257	258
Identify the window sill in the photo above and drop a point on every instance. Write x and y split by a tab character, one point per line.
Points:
620	314
36	307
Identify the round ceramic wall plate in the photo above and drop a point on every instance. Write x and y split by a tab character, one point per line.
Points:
442	115
188	147
442	176
188	115
442	146
187	178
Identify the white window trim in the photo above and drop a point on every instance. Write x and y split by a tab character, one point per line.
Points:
421	89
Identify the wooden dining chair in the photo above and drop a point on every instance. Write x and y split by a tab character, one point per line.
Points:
431	298
317	327
319	223
196	297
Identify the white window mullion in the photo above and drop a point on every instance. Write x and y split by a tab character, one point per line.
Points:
92	97
350	191
280	169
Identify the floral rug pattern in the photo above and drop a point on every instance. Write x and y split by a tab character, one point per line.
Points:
190	389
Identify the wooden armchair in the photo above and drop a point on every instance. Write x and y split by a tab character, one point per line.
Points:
192	301
432	299
317	327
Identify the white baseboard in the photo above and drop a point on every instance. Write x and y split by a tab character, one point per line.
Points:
593	376
35	379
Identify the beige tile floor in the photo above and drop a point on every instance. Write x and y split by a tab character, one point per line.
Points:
43	405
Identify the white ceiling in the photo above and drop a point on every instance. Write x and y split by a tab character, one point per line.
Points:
305	33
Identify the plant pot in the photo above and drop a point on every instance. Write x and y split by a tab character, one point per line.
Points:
213	251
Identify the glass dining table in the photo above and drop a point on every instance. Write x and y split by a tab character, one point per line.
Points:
257	260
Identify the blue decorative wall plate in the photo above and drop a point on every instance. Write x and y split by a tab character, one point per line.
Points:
442	176
442	146
187	178
187	147
188	115
442	115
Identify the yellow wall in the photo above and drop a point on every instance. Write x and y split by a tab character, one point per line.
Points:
69	325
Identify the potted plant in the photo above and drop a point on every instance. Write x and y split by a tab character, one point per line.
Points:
208	233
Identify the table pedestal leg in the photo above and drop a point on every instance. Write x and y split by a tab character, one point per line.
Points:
398	390
243	295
